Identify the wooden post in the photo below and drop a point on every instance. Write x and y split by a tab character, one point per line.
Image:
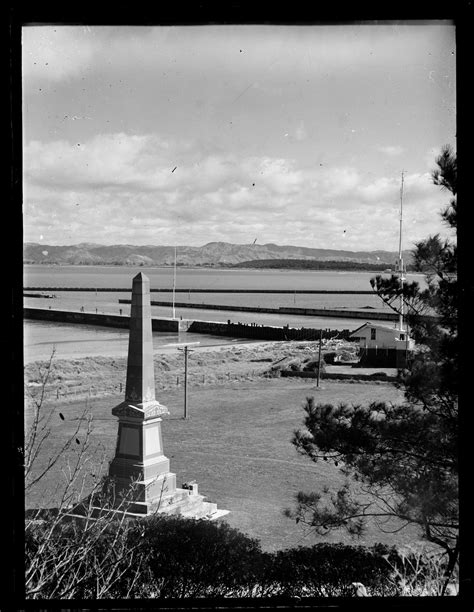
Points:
319	356
185	348
185	382
174	283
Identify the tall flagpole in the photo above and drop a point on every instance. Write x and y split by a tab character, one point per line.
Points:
174	280
400	259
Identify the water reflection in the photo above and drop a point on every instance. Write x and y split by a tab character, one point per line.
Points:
77	341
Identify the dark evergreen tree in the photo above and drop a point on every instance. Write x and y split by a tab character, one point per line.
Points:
402	459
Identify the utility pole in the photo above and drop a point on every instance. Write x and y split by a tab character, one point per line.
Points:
185	382
401	270
185	347
174	281
319	356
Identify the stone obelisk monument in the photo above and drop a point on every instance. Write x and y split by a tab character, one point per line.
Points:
139	456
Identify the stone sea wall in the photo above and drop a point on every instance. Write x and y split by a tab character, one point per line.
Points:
88	318
342	313
264	332
236	330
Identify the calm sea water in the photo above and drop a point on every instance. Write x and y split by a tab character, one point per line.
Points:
80	341
198	278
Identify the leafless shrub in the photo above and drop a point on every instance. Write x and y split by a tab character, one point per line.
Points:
83	546
422	572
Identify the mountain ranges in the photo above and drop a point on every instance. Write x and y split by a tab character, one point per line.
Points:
213	254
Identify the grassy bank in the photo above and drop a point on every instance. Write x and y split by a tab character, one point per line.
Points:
207	366
236	443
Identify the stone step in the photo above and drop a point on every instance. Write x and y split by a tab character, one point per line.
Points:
179	496
187	505
182	502
204	509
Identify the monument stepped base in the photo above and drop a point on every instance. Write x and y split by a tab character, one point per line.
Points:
179	502
182	502
160	495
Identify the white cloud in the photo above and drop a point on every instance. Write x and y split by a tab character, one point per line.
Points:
391	151
122	188
339	182
382	189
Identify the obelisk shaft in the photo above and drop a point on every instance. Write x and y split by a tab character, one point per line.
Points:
140	386
139	458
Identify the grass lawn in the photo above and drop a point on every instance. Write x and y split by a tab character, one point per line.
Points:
236	445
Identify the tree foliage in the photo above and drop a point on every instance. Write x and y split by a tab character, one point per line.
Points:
433	379
170	557
402	459
196	558
330	570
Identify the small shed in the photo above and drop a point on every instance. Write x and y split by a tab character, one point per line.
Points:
383	345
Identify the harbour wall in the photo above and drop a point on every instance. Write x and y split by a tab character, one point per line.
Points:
308	312
265	332
168	290
236	330
104	320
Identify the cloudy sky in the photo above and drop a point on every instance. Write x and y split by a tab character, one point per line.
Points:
186	135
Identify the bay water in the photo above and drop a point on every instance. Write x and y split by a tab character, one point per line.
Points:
71	341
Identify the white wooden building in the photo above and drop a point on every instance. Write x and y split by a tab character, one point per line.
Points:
383	345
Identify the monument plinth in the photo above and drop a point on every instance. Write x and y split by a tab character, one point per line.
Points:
139	456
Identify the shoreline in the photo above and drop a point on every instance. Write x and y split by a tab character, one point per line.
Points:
213	267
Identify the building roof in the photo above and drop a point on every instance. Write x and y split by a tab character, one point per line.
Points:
376	326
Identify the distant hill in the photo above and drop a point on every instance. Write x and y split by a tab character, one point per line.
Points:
312	264
211	254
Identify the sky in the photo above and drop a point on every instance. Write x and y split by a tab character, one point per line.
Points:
184	135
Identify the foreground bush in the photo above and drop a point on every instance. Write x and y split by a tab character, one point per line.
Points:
172	557
192	558
81	558
326	570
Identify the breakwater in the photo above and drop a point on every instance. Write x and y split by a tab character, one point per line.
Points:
265	332
305	312
168	290
104	320
236	330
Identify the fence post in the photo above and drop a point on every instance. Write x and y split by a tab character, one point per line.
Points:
319	356
185	382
